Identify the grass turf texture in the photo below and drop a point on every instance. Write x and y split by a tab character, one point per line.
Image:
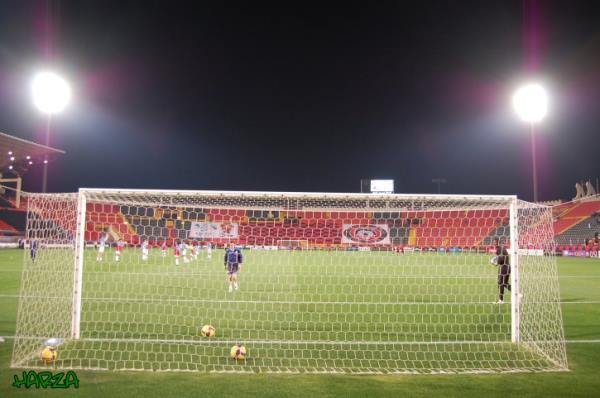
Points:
580	280
299	311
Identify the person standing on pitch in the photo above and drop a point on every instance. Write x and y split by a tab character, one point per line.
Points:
33	249
502	261
209	251
102	242
119	249
233	261
145	250
176	250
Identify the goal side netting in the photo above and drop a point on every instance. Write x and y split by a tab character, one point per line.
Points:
328	283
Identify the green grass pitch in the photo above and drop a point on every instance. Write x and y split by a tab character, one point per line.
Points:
580	293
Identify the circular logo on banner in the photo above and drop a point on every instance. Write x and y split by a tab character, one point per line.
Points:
365	233
226	227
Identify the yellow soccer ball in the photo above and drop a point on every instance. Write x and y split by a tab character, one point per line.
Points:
49	354
238	352
208	331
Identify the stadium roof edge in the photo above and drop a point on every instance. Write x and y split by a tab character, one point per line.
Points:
6	137
18	155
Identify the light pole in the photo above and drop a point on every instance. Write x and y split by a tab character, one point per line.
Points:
51	94
439	182
531	104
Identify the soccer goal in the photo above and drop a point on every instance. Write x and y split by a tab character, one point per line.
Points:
392	283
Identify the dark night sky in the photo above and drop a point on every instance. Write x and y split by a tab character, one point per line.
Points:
303	97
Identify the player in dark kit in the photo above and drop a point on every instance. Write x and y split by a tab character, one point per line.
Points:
233	261
33	249
502	261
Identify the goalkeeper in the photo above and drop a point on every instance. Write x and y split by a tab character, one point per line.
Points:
233	261
502	261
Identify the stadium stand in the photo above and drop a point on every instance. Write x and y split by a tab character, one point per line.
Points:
4	227
570	214
5	202
60	230
104	218
580	233
501	232
576	222
10	201
14	218
465	229
24	156
12	221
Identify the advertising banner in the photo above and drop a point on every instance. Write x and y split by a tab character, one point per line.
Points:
371	234
214	230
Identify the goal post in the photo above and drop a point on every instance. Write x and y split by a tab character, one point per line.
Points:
78	264
514	256
124	280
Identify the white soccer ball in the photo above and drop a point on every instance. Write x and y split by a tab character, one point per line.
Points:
51	342
494	260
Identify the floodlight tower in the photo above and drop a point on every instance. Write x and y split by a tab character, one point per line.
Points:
531	104
51	95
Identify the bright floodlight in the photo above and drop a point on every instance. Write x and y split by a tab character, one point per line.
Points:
531	103
51	93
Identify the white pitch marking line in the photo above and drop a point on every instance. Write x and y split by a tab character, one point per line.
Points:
171	300
184	341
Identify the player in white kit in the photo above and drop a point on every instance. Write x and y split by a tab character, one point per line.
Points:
145	250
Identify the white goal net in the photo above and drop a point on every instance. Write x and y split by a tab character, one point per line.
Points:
293	244
125	280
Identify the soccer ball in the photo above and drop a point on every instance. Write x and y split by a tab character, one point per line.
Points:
49	354
494	260
238	352
51	342
208	331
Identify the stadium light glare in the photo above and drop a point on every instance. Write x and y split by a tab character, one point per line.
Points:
51	93
531	103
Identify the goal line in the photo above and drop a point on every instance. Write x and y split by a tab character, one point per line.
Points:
281	342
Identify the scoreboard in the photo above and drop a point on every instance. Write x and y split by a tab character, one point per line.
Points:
382	186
